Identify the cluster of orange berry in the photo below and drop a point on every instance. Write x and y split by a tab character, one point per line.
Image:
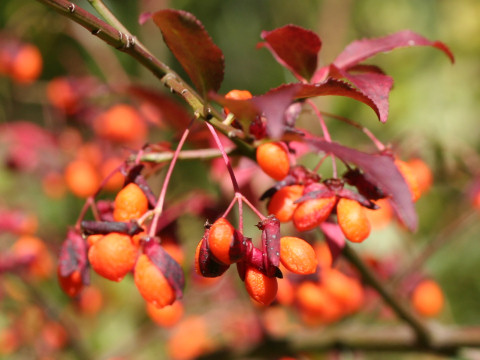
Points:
300	197
223	245
116	248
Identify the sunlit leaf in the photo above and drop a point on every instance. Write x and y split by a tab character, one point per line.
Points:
295	48
190	43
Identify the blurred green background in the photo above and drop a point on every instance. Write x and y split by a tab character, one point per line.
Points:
434	114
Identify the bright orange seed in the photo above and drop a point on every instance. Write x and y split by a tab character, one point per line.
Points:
113	256
273	160
311	213
82	178
260	287
422	172
410	178
237	95
71	284
352	220
220	240
27	64
427	298
152	284
42	264
121	123
166	316
282	202
130	203
297	255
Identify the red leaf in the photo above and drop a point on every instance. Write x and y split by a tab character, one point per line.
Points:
332	87
295	48
73	256
270	227
190	43
376	87
167	265
382	172
360	50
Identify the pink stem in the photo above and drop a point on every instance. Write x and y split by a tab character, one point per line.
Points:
254	209
380	146
230	206
225	157
161	198
326	134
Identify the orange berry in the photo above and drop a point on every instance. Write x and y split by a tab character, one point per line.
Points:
347	291
130	203
54	335
189	339
121	123
90	152
422	172
273	160
260	287
113	256
115	182
410	178
82	178
237	95
92	239
90	301
285	292
324	255
297	255
174	250
166	316
314	300
27	64
71	284
427	298
152	284
62	95
42	264
353	220
311	213
282	202
381	217
221	239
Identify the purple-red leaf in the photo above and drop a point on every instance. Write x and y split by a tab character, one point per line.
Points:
334	237
295	48
208	266
332	87
360	50
167	265
270	227
190	43
73	256
383	173
376	87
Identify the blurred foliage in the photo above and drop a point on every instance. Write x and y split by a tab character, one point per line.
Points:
434	110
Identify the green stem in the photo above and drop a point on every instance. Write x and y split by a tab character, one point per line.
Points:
107	15
422	331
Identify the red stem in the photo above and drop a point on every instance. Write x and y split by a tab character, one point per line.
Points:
236	188
161	198
326	134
